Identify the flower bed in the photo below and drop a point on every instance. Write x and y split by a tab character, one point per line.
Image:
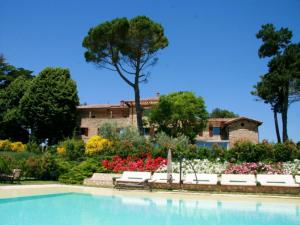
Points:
200	166
206	166
119	164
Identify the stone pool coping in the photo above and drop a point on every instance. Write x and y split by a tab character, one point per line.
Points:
12	191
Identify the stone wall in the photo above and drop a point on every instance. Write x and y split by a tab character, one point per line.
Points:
242	130
205	136
93	124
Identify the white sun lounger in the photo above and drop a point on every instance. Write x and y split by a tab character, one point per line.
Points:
132	179
135	177
238	179
277	180
163	178
297	179
208	179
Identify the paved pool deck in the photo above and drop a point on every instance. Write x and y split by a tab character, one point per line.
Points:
12	191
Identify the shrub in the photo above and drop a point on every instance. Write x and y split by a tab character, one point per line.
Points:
5	145
254	168
85	169
265	152
119	164
61	150
64	166
109	131
292	167
286	151
17	147
42	167
200	166
180	146
96	144
73	149
32	146
243	151
3	166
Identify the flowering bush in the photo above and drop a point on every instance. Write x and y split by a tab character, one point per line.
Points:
17	147
200	166
206	166
291	167
96	144
5	145
119	164
254	168
61	150
71	148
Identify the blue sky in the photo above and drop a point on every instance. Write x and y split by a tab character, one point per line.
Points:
212	48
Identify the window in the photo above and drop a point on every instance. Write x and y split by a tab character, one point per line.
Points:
84	131
210	129
146	131
210	144
216	130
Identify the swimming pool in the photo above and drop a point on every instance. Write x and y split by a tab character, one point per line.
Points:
88	209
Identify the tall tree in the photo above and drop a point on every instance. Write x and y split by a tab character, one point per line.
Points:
180	113
49	105
282	80
11	119
8	73
222	113
128	47
267	90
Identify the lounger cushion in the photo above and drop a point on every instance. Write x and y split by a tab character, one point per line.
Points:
211	179
163	178
297	179
277	180
238	179
129	176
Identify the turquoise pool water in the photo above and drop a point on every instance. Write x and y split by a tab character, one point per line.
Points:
85	209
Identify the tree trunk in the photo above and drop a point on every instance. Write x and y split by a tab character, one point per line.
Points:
138	109
276	126
284	115
284	123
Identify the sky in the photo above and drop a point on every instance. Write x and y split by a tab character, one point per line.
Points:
212	48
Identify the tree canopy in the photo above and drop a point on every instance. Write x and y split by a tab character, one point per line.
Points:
179	113
11	119
222	113
127	47
8	73
280	87
49	105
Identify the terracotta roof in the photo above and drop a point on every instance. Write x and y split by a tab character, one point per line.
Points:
99	106
144	99
121	105
242	118
228	121
220	119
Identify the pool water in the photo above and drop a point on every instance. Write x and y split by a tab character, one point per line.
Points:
86	209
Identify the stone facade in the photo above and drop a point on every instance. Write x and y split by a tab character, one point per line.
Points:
93	124
243	130
123	114
229	131
224	131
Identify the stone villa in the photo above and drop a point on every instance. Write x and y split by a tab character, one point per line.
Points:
92	116
222	131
